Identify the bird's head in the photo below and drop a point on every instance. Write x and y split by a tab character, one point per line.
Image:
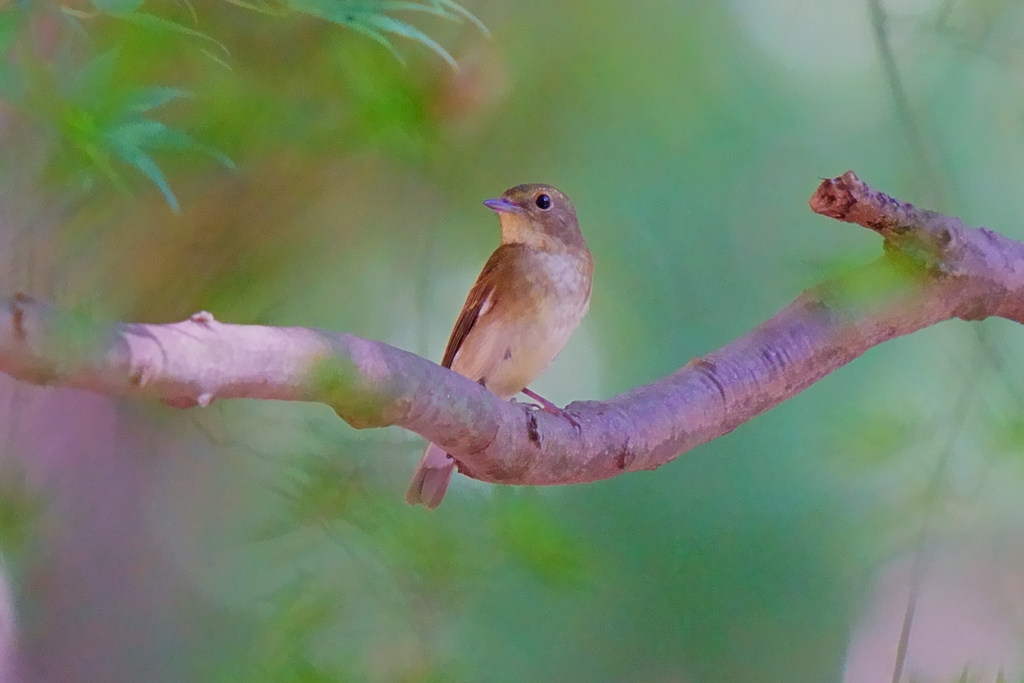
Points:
538	215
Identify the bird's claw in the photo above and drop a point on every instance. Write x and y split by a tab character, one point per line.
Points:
552	409
571	417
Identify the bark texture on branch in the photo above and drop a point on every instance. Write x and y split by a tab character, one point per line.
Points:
934	268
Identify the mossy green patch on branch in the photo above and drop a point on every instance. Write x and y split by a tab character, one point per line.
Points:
76	337
338	382
860	289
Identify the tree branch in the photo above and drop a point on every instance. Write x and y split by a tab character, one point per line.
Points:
933	268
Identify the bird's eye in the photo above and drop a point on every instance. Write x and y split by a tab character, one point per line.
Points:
543	202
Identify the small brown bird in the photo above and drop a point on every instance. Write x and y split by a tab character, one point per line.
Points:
524	306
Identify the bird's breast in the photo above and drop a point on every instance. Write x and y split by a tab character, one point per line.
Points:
530	323
561	287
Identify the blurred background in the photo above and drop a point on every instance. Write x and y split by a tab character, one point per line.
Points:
321	163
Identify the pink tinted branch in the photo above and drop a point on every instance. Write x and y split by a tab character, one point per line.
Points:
943	270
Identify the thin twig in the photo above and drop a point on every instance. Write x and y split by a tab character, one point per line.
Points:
901	101
932	496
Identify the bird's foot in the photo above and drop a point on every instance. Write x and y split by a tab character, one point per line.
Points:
550	408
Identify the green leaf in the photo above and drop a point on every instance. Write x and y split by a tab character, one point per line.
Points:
150	98
154	134
215	58
101	159
154	22
100	119
371	18
379	38
357	9
401	28
148	133
144	132
461	11
129	140
145	163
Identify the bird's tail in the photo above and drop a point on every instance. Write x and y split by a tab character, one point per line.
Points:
430	481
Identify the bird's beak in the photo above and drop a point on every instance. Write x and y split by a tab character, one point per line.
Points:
502	205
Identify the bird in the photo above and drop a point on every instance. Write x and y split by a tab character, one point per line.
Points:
527	301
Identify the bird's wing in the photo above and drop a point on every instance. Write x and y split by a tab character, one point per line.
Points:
481	298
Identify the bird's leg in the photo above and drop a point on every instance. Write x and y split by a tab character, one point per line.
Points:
549	407
544	404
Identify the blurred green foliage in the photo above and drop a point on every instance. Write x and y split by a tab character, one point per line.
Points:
95	108
269	542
